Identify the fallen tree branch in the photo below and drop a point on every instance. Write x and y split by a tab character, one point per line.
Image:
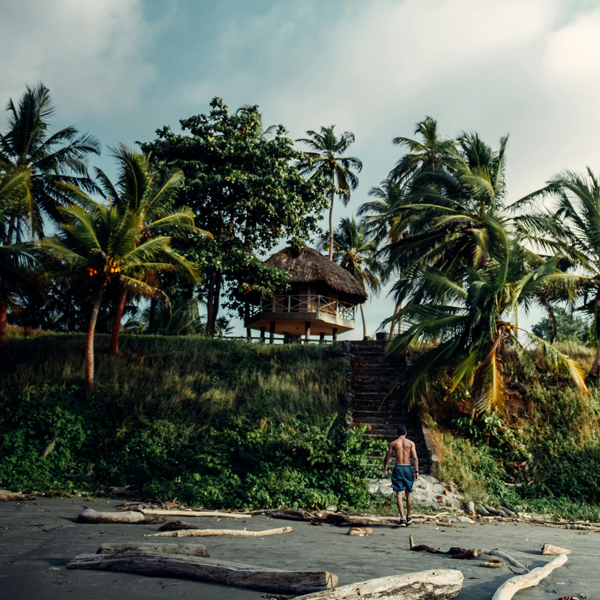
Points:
208	569
360	531
7	496
187	549
550	550
509	559
90	515
194	513
424	585
509	588
492	564
213	532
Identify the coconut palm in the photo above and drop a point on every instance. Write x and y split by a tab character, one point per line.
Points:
51	157
355	252
326	159
103	245
467	327
572	230
433	150
16	260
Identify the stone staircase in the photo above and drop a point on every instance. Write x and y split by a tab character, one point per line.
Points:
373	376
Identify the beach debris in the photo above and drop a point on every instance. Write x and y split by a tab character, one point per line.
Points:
176	526
509	588
8	496
470	508
195	513
424	585
209	570
495	563
360	531
89	515
578	597
160	548
550	550
421	547
493	511
462	553
213	532
509	559
480	510
462	519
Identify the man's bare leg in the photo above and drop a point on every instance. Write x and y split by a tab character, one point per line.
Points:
400	505
408	503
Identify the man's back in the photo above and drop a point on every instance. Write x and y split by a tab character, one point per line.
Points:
402	449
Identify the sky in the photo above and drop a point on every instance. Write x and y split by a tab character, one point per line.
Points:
120	69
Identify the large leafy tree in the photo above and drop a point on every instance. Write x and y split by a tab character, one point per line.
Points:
52	158
355	252
243	188
326	160
103	246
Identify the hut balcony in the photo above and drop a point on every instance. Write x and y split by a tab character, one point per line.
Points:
291	313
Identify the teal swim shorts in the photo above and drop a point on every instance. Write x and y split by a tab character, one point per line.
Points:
403	478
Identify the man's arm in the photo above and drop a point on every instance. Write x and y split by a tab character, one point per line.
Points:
387	457
413	457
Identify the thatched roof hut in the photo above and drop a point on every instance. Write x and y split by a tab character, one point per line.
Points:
308	266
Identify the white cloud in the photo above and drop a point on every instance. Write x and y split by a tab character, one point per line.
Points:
90	54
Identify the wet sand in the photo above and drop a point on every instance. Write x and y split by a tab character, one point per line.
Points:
38	538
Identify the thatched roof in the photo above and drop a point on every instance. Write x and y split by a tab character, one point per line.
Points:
308	265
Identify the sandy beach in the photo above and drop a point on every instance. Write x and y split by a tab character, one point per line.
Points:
38	538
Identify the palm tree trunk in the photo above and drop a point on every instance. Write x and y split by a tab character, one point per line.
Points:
212	303
152	318
395	323
331	226
362	314
595	370
116	325
3	315
89	347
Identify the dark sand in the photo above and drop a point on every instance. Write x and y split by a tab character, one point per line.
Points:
38	538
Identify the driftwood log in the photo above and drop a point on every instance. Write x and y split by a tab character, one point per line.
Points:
550	550
509	588
6	496
509	559
209	570
160	548
424	585
90	515
492	564
462	553
176	526
195	513
212	532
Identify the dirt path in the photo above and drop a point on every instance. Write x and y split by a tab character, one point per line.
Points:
38	538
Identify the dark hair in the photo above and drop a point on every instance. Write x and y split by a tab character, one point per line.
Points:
401	430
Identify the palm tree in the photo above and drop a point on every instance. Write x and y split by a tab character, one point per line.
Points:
52	159
432	151
326	159
16	260
149	197
467	327
356	253
572	230
103	245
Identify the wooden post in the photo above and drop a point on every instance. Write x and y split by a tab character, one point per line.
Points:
335	334
307	331
322	337
248	334
272	332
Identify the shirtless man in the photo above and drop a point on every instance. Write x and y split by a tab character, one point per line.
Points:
402	474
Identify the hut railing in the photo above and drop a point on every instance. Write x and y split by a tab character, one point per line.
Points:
293	303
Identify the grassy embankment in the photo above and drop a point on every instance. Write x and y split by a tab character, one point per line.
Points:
215	423
540	452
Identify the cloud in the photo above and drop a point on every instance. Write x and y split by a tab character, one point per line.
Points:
92	55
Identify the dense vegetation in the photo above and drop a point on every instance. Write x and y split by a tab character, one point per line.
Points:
213	423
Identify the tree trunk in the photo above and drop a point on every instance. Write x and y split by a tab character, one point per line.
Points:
89	515
160	548
395	324
331	225
209	570
116	325
89	348
595	370
218	532
3	317
212	303
362	314
152	319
